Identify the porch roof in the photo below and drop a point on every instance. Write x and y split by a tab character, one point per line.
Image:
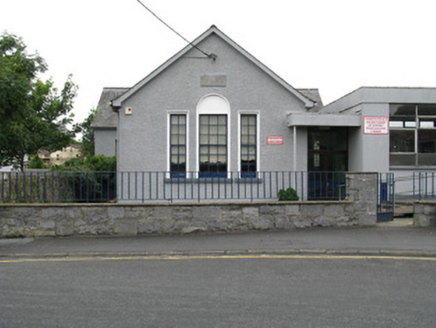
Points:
322	119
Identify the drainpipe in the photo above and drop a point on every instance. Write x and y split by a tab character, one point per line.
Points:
295	148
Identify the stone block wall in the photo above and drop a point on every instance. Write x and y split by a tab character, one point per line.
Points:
362	191
137	219
424	213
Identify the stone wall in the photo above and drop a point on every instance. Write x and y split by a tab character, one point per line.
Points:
137	219
362	191
424	213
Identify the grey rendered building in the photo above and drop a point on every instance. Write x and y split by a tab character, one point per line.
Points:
188	95
228	114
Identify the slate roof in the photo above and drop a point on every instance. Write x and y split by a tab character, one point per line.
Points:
314	95
106	117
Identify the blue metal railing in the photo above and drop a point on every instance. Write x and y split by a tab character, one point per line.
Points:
424	185
57	187
415	185
93	187
385	196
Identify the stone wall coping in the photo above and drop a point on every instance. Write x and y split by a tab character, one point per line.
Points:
425	201
361	173
324	202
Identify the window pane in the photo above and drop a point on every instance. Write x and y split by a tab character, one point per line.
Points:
222	150
402	160
394	124
213	129
427	110
402	110
222	140
402	141
182	129
426	141
213	144
204	129
204	119
402	121
222	159
213	119
213	159
177	143
410	124
427	123
248	145
222	130
213	140
427	159
204	158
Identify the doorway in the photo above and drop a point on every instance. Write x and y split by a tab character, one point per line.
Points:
327	162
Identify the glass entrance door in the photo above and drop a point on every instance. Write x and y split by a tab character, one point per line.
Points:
327	162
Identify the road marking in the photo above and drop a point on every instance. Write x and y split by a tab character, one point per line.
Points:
217	257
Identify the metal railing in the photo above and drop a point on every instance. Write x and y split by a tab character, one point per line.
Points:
90	187
415	185
385	196
424	185
57	187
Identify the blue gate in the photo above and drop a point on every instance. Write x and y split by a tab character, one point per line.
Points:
385	197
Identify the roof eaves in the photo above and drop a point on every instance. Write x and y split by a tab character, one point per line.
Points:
309	103
116	103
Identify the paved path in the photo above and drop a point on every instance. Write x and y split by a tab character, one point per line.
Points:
396	238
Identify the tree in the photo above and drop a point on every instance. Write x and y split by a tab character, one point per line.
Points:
88	143
34	114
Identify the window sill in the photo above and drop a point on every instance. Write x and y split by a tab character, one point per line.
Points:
222	180
412	168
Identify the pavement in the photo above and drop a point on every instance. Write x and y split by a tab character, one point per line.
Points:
396	238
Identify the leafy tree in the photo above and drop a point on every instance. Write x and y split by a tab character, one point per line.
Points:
88	143
33	113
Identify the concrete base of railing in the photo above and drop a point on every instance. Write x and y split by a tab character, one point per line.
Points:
137	219
424	213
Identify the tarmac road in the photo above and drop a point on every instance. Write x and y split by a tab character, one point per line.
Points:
218	291
379	276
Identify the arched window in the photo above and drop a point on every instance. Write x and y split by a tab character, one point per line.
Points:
213	113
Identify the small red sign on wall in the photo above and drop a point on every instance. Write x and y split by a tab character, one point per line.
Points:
375	125
275	140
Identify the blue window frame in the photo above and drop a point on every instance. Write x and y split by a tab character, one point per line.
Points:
178	144
213	145
248	145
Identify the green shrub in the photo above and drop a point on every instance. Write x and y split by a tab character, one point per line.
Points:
98	163
36	163
93	178
288	194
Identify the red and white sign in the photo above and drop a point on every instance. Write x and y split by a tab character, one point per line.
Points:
376	125
275	140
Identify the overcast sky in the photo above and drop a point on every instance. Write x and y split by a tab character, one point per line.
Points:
336	46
